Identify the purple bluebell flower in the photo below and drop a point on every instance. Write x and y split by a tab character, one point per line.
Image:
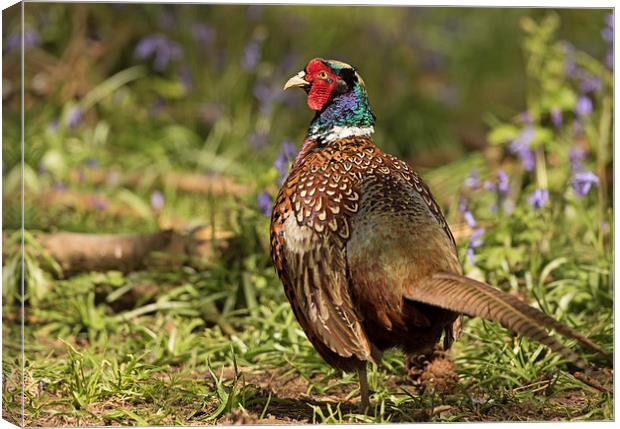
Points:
583	106
163	49
31	38
475	240
607	34
157	200
502	182
576	155
462	205
609	59
203	33
582	181
251	55
526	117
74	116
281	163
470	256
556	116
538	198
289	149
488	185
469	218
472	180
608	31
14	41
591	84
263	200
521	147
287	153
53	125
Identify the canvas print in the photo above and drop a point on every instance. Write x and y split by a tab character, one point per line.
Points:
291	214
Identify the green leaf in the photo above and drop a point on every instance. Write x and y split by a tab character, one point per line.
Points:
541	136
170	89
502	134
135	202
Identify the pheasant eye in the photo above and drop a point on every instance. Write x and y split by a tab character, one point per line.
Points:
322	74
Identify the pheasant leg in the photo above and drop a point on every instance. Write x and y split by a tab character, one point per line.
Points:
365	393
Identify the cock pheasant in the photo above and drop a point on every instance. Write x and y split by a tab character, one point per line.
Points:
366	257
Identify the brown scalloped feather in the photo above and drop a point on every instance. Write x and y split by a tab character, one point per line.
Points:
471	297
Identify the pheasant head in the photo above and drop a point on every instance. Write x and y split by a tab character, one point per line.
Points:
338	95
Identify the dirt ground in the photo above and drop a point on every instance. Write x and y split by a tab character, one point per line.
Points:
283	399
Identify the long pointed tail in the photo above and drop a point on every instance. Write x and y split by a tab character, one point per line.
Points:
464	295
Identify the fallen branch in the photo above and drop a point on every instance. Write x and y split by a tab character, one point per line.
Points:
84	202
187	182
77	252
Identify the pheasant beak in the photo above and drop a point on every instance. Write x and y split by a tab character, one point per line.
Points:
297	81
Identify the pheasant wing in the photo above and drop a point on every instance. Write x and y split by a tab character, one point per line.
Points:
317	286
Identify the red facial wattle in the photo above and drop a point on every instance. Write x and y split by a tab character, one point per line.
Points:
323	80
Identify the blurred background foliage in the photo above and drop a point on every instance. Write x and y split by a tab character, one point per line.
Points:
131	108
171	86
